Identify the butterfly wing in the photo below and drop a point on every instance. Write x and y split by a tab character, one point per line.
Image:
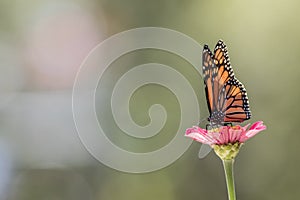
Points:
207	68
236	107
223	73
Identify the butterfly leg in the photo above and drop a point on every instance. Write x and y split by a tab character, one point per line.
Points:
211	126
202	120
207	126
227	123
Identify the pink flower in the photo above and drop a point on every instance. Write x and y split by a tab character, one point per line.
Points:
225	134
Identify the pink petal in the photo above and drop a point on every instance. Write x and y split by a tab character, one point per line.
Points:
243	138
215	137
235	135
254	129
198	137
224	135
196	129
257	125
245	127
199	134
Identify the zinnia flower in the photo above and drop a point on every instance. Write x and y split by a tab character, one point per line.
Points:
226	140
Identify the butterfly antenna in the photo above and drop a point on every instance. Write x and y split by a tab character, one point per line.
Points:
201	121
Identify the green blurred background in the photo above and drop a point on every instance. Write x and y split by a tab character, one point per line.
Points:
42	44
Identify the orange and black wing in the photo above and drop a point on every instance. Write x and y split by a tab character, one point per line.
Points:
207	69
236	106
223	73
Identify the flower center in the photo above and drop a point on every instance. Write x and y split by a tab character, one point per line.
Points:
214	130
236	127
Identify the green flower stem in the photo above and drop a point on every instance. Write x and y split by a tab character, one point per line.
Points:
228	168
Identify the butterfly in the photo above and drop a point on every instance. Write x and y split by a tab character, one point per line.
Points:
226	96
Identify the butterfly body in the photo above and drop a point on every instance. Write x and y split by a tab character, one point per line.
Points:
226	96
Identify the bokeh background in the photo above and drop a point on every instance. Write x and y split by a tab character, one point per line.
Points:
42	44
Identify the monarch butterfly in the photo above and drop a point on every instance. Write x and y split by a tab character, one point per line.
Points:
226	96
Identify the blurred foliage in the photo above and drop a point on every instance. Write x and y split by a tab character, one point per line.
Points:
264	47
